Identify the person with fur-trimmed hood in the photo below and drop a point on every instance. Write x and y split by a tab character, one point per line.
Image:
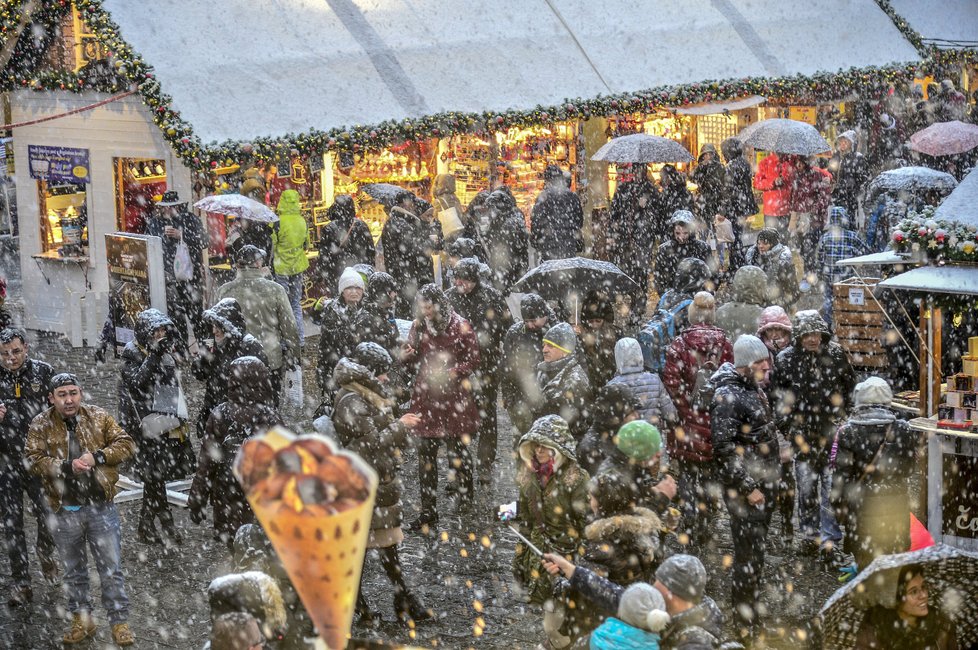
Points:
337	337
522	351
680	245
775	258
550	512
446	350
213	364
564	386
248	411
365	419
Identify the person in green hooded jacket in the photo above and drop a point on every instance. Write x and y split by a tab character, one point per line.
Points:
290	241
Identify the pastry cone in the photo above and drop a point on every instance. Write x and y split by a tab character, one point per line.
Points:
315	505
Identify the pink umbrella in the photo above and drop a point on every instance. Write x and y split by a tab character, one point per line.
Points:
945	138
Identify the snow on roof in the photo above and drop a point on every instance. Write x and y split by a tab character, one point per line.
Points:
961	205
936	279
238	69
948	23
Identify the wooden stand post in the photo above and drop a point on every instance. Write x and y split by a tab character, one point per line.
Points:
930	358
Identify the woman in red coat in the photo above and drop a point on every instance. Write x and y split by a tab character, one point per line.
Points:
691	360
774	176
444	346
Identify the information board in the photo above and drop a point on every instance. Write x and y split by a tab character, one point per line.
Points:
136	280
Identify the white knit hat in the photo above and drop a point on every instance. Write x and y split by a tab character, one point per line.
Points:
350	278
642	606
749	349
873	390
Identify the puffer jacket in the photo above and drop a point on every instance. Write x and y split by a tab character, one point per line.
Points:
552	514
290	236
647	387
739	316
624	547
268	315
485	309
778	264
871	493
697	345
565	391
344	242
25	396
247	412
813	390
407	245
46	450
365	424
146	367
745	443
611	405
522	352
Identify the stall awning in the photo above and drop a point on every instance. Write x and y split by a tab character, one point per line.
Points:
947	24
961	205
936	279
238	69
884	258
719	107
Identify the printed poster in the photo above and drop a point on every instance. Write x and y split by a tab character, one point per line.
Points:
135	265
58	164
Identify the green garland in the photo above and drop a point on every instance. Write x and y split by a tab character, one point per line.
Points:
908	32
129	65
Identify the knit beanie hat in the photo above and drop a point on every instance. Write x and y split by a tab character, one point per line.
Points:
350	278
639	440
748	349
562	337
773	317
683	575
533	306
873	390
770	236
468	269
703	309
643	607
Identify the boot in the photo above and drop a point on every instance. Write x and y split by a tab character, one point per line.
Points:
146	531
409	607
170	529
82	627
363	614
122	635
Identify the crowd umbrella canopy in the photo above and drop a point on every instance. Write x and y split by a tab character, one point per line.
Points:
239	206
555	279
911	179
642	148
785	136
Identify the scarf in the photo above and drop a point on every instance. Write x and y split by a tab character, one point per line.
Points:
544	471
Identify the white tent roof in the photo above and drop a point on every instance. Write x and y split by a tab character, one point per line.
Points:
238	69
948	23
886	258
936	279
961	205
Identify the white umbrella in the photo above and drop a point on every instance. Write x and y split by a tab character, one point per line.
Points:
912	179
237	205
784	136
642	148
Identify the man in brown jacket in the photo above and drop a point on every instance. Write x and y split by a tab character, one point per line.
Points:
75	448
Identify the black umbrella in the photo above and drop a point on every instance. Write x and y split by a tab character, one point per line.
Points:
383	193
951	576
555	279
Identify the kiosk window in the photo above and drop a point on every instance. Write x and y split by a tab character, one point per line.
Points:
63	218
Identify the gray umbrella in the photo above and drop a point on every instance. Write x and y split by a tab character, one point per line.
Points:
642	148
555	279
912	179
383	193
951	576
784	136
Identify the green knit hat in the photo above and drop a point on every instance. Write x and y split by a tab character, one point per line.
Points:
639	440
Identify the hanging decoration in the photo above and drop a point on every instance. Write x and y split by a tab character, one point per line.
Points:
132	69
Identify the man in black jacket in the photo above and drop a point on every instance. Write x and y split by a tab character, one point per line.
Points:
485	309
557	218
24	392
812	385
522	351
738	201
745	448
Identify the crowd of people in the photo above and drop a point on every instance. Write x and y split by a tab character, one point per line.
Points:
628	427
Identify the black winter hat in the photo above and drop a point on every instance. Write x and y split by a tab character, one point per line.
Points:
462	247
612	403
249	255
533	306
468	269
373	357
769	235
691	275
62	379
379	284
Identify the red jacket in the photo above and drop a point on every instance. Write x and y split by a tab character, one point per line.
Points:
688	352
442	393
776	198
811	192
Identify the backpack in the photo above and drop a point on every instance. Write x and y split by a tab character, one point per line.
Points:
657	335
703	388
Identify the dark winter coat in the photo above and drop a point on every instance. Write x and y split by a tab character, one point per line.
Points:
486	311
556	222
611	405
344	242
851	173
624	547
640	478
598	345
870	491
633	230
749	297
522	352
365	424
565	391
375	320
738	194
247	412
745	442
698	627
192	235
406	240
149	370
813	391
674	195
672	252
551	515
443	197
25	394
506	241
779	265
213	366
697	346
254	234
442	393
710	178
337	338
